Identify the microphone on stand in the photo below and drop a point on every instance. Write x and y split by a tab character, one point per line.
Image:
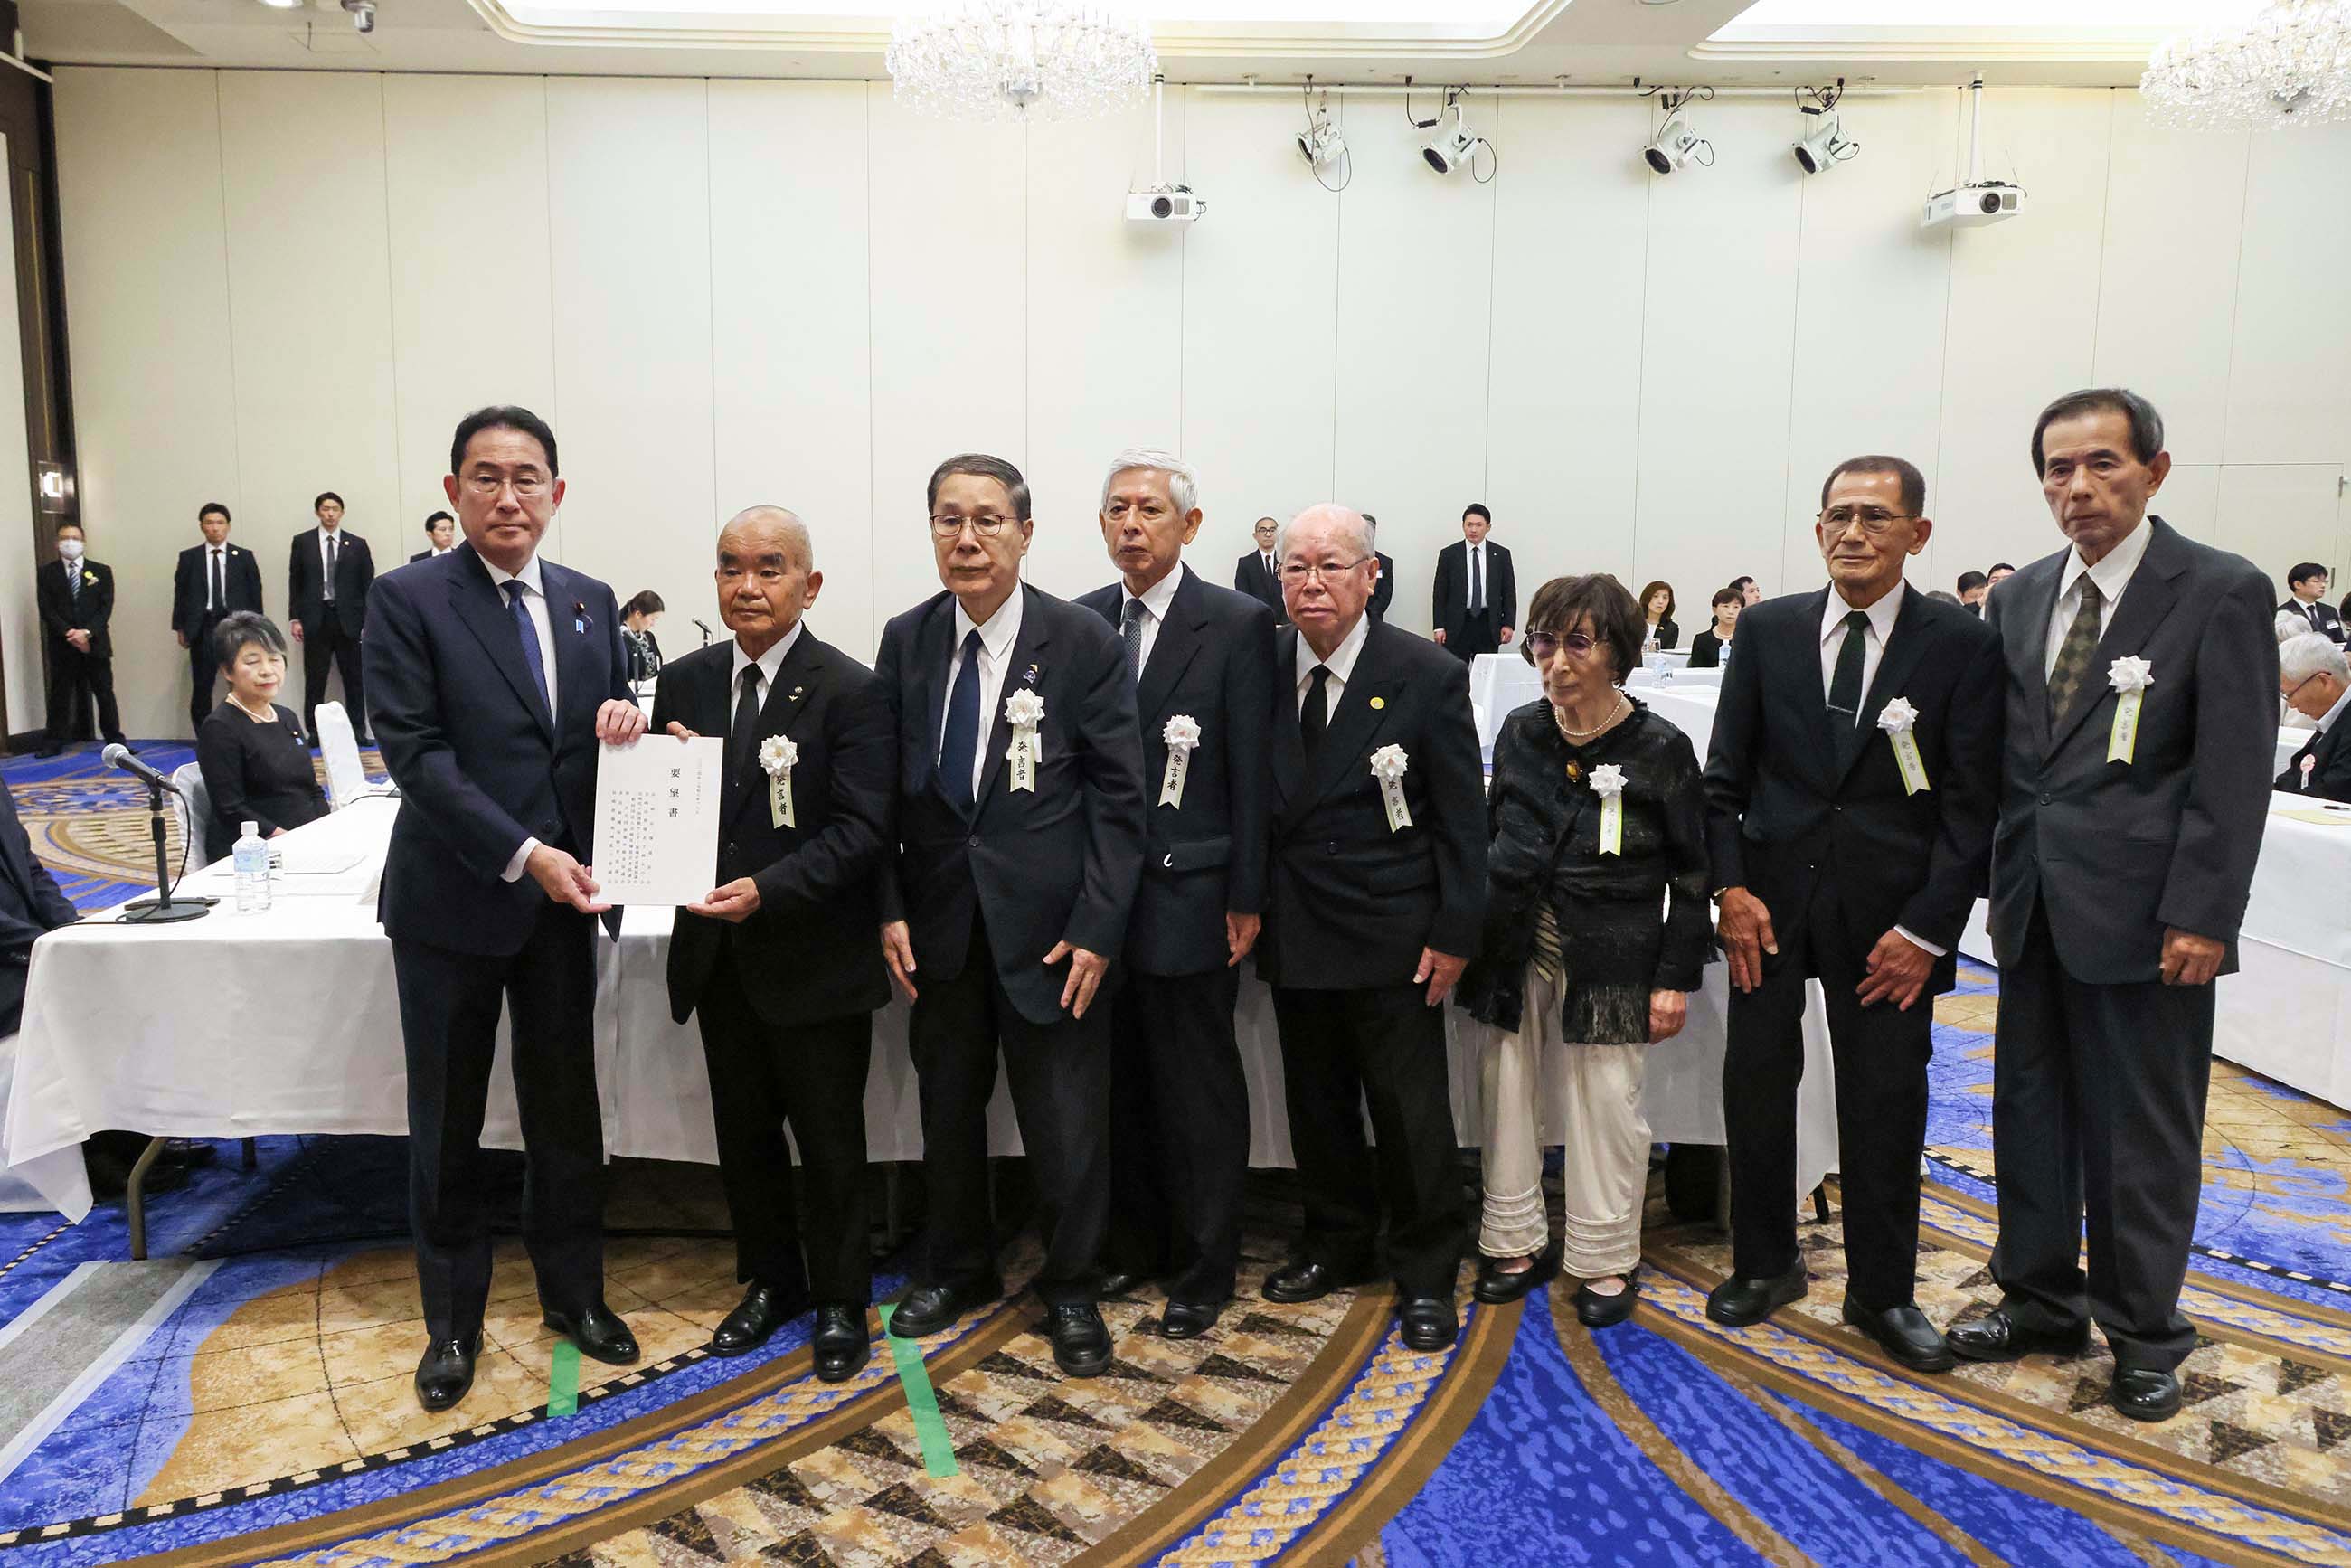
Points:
120	756
707	632
163	909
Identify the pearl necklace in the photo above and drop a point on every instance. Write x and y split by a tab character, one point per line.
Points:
269	717
1615	713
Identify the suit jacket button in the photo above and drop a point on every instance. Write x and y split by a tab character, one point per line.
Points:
975	841
730	849
1332	848
2044	800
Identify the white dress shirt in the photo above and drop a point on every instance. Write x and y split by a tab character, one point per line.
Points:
995	638
1155	600
2112	574
534	601
1341	663
326	567
1833	632
769	663
2334	715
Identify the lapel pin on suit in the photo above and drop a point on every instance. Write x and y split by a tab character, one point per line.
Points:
579	616
1029	676
1378	703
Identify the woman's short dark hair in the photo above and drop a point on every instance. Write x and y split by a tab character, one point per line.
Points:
246	627
980	465
643	602
2145	423
503	416
1723	596
1597	600
1651	593
322	497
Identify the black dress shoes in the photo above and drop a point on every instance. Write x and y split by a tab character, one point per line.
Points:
1080	1339
1429	1322
599	1333
839	1345
1594	1311
1904	1334
2143	1393
1739	1302
1119	1283
764	1309
1496	1287
1188	1320
1305	1282
1999	1337
445	1373
927	1309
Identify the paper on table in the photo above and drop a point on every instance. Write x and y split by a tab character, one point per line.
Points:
657	804
2320	816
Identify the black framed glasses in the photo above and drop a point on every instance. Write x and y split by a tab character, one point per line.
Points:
986	526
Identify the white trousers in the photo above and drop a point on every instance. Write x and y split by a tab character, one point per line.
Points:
1605	1170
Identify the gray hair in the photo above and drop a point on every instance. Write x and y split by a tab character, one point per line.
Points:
796	532
1183	479
1348	520
2288	625
2312	653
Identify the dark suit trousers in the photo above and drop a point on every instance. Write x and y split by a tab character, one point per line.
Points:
449	1005
1060	1093
1179	1133
323	641
811	1076
74	678
2098	1105
1383	1047
202	670
1881	1055
1479	633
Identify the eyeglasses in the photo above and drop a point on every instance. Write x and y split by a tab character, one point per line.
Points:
985	526
525	485
1544	644
1299	571
2299	684
1874	520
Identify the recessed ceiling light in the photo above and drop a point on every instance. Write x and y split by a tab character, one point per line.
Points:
283	4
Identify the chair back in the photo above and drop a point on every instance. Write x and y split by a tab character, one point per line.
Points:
339	745
192	808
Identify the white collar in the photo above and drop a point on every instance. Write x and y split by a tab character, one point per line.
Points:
2113	572
527	576
1881	615
769	662
1156	598
1341	661
324	531
2335	712
1001	630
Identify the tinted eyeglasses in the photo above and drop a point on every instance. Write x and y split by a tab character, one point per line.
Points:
1544	644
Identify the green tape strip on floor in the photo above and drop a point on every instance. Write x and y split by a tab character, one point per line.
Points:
563	1392
923	1402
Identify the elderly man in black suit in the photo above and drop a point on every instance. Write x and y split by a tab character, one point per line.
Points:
2142	721
2316	683
2306	598
1851	786
1474	602
1021	830
1377	900
1259	572
75	596
780	959
327	577
1202	663
496	675
213	580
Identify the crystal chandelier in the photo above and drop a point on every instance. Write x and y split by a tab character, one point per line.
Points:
2290	65
1015	60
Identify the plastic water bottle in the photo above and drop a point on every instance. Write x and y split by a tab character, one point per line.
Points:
1651	650
250	861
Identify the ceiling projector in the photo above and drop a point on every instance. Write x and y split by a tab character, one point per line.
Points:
1969	206
1165	205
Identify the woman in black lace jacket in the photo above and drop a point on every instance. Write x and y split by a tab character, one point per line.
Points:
1596	926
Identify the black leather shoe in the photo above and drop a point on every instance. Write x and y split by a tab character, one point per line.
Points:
763	1309
598	1331
1119	1283
2144	1394
49	751
1904	1334
1305	1282
1497	1287
1594	1311
1999	1337
1737	1302
839	1345
188	1152
445	1373
1429	1323
1080	1339
1189	1320
927	1309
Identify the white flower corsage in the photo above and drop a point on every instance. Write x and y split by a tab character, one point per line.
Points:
1182	735
1389	764
1608	783
1897	718
1024	710
2130	676
779	754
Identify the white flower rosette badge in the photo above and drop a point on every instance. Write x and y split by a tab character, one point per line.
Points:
1899	719
778	755
1024	710
1182	735
1608	783
2130	676
1389	764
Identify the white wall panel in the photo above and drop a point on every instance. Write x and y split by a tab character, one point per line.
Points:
1562	422
2276	515
630	249
2190	501
950	344
1416	314
1105	332
794	385
2290	383
472	314
1717	357
2022	326
146	273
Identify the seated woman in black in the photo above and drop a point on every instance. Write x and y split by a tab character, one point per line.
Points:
1709	646
256	765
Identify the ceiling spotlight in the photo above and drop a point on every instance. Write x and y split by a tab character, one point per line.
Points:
1824	141
1454	146
1322	145
1677	142
363	13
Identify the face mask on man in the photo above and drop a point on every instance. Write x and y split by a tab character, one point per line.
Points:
69	548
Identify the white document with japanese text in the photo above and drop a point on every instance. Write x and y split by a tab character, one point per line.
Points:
657	808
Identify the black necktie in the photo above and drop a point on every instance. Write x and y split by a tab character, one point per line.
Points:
1844	684
1315	714
1476	584
1130	628
330	569
960	745
220	589
1272	574
743	735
